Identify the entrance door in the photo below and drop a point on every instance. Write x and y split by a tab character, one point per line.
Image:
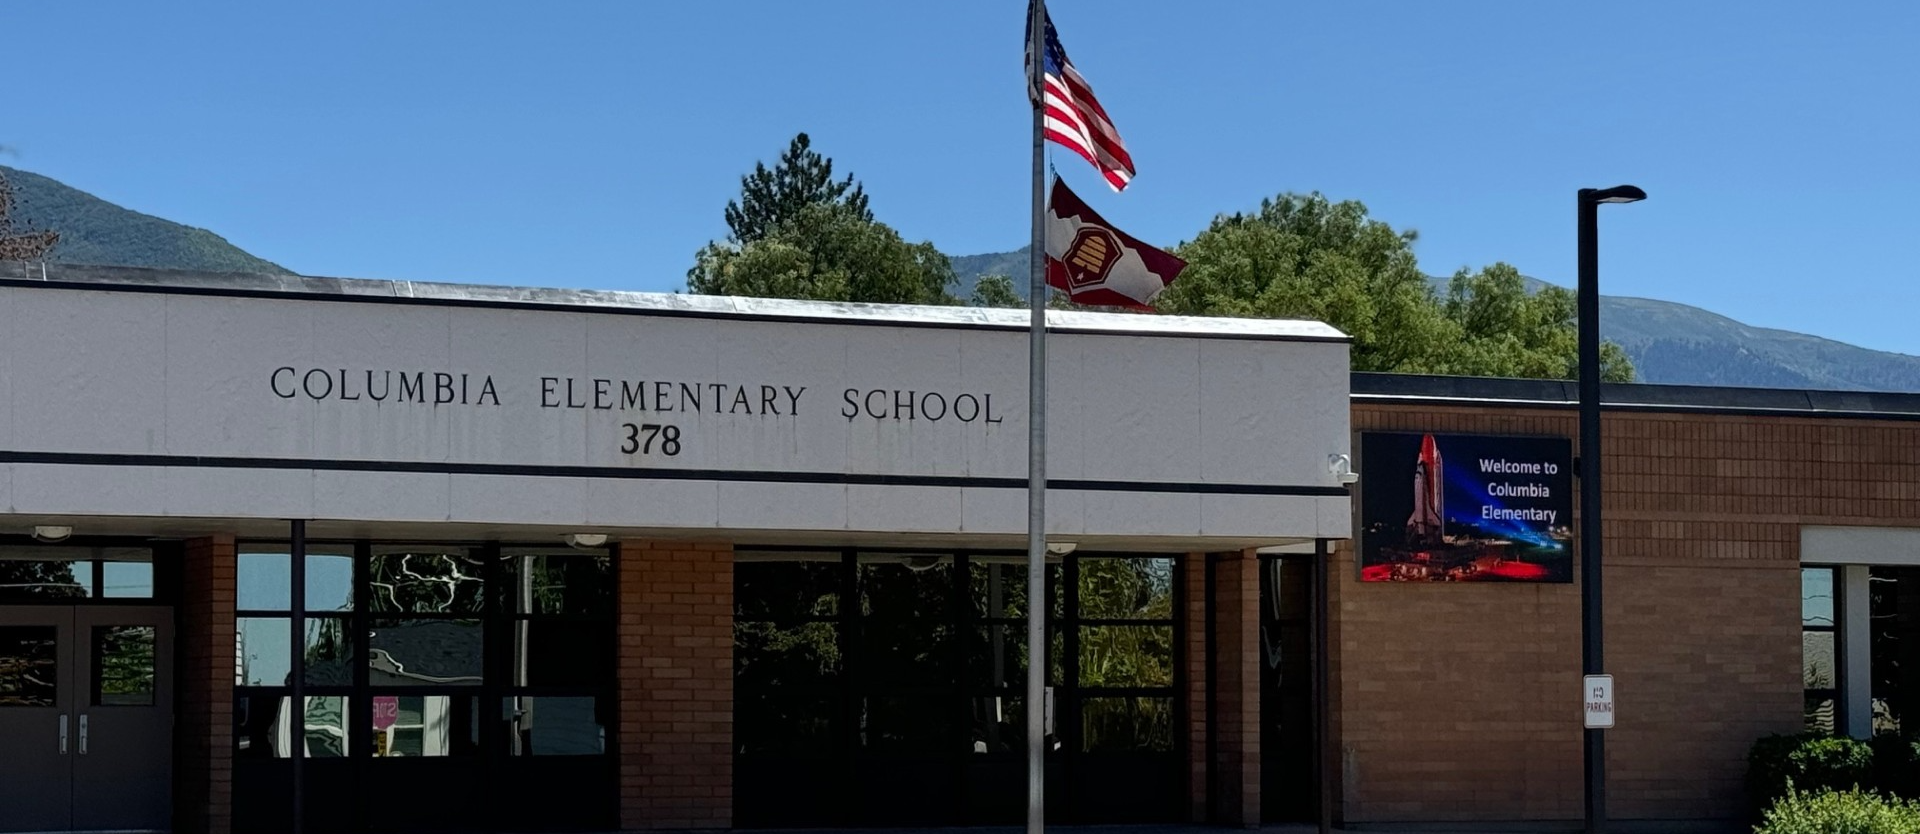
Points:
36	718
86	717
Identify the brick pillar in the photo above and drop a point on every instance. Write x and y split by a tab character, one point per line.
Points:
1235	770
1194	575
676	685
204	672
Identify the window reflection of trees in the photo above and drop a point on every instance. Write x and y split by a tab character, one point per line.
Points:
930	658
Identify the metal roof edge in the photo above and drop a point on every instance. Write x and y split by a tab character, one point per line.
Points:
143	279
1548	393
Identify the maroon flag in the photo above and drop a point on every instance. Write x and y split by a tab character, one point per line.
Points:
1096	264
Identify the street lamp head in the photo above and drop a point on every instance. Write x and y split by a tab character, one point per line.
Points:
1616	194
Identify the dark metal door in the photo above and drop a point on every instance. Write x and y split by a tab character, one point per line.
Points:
36	718
123	719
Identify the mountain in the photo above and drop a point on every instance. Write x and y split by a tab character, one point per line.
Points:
1669	343
94	231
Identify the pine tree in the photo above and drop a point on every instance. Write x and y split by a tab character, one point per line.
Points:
802	178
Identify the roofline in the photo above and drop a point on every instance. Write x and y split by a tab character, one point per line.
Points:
1410	389
618	302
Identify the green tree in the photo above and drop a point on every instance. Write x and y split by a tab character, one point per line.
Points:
1506	331
1304	256
802	178
826	252
996	291
21	244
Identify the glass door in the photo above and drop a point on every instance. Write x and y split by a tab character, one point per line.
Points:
1287	711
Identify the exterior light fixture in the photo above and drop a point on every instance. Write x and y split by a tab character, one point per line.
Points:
50	534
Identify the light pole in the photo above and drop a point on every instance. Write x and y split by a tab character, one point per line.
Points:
1591	656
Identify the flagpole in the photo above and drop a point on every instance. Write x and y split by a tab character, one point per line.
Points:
1037	657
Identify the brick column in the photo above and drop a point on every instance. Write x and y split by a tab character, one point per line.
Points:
1193	572
204	671
1235	769
676	685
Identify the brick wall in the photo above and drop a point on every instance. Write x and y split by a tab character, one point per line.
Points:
1458	702
676	685
204	671
1235	769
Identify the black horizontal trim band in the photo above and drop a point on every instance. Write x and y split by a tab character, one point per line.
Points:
654	473
1640	408
589	307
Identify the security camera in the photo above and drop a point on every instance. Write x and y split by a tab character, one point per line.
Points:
1060	548
50	534
1342	467
585	541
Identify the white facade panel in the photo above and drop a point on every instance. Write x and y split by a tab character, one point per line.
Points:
156	403
89	370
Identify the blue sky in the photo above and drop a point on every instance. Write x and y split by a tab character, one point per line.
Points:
594	144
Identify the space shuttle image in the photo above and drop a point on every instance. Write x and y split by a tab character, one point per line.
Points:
1428	522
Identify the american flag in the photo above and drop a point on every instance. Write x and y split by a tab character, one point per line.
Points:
1074	118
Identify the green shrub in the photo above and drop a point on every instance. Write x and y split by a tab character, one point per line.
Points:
1811	761
1896	765
1840	812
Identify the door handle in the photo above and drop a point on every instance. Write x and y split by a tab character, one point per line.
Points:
83	734
63	735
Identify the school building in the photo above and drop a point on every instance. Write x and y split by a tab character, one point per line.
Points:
385	556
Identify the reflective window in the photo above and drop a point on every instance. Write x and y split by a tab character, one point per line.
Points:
907	724
1821	664
997	656
554	726
329	579
328	722
425	652
126	580
772	721
30	573
907	629
456	654
902	668
548	653
29	666
1126	656
1126	725
123	663
787	586
1126	588
329	651
42	573
414	726
1816	597
1894	633
1820	648
1000	725
998	586
425	580
566	582
264	581
260	728
264	643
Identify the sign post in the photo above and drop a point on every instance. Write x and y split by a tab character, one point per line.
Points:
1597	694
